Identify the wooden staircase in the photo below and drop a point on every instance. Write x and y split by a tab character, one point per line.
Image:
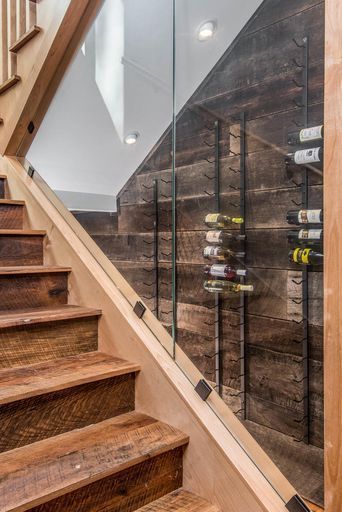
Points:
70	439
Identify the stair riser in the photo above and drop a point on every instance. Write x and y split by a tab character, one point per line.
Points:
126	491
20	291
28	344
34	419
11	216
21	250
2	188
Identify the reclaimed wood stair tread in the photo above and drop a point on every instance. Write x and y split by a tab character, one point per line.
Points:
42	378
22	232
39	269
45	314
179	501
12	202
36	473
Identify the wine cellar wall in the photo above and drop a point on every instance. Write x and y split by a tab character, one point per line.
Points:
260	77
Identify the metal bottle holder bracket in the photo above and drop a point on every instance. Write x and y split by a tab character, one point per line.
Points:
304	105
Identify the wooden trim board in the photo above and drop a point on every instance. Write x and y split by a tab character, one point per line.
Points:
333	257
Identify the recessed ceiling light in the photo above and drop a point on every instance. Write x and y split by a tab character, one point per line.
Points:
206	30
131	138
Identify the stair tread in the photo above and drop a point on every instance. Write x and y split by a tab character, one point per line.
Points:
41	378
23	232
12	201
36	473
39	269
179	501
3	177
44	314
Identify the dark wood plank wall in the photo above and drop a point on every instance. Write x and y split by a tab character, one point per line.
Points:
255	76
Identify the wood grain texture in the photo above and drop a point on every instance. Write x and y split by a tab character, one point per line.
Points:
97	223
127	490
24	39
21	249
70	461
29	288
333	259
28	344
11	214
180	501
2	187
36	316
46	415
41	378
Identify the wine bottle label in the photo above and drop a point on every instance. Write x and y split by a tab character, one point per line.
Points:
241	273
211	218
217	270
211	251
309	134
309	216
310	234
307	156
246	287
301	255
213	237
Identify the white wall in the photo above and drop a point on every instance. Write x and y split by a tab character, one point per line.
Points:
122	82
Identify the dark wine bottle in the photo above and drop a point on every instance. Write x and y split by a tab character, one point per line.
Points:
224	272
222	237
227	288
305	256
218	253
304	217
305	157
311	236
313	134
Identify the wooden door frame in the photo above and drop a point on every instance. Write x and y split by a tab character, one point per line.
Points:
333	257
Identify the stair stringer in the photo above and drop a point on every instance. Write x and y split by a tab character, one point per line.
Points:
216	467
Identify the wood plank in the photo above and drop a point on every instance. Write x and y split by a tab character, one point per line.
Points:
42	378
21	248
24	39
70	461
98	223
42	315
47	399
313	507
179	501
33	343
11	214
24	288
333	260
2	187
131	488
298	461
10	82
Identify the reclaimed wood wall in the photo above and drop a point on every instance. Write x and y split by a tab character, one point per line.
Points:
258	76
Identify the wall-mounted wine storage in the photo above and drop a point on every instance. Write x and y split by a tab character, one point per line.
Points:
263	350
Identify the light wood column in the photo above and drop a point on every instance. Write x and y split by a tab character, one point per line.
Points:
333	257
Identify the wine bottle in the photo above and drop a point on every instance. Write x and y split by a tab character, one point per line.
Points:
216	220
227	287
224	272
218	253
304	217
311	236
222	237
305	256
313	134
305	157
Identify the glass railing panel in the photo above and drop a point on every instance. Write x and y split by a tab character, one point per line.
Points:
261	350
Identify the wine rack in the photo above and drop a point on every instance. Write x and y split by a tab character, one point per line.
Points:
241	309
304	282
